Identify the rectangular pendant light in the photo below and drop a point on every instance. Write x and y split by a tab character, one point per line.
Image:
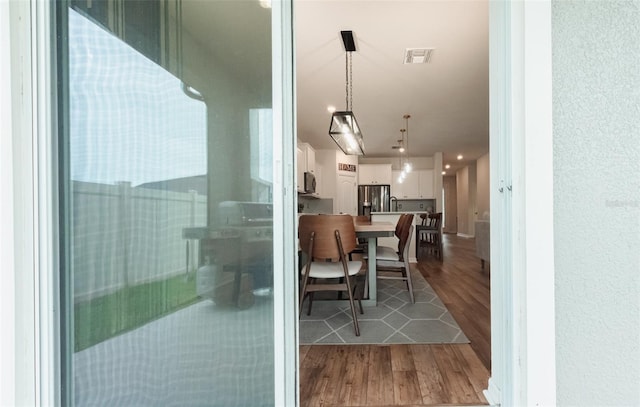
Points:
344	130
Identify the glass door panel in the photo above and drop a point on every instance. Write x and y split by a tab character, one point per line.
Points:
167	163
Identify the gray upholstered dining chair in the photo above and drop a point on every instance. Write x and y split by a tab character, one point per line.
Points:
326	240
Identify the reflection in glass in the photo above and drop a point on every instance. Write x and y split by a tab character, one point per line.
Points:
169	189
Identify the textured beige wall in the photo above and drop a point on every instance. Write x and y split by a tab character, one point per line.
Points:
596	131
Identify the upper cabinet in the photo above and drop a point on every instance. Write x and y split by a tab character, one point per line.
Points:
374	174
408	188
416	185
306	158
425	184
300	169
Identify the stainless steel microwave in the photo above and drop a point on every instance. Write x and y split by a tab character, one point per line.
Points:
309	183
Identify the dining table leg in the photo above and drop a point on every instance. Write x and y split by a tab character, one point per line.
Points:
371	287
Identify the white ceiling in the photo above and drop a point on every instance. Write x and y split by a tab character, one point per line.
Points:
448	98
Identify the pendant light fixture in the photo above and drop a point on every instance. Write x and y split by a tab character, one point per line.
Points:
401	160
344	129
405	163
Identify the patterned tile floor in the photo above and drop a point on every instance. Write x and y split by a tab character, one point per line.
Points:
393	320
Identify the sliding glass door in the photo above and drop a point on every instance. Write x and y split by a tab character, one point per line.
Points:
172	171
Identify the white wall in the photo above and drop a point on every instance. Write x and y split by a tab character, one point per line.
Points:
596	116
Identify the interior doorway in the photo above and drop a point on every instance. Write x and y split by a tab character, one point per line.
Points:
450	204
379	355
521	124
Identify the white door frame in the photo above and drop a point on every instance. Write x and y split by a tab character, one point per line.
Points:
30	203
522	281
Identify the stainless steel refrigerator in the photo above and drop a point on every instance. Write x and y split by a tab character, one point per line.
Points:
373	198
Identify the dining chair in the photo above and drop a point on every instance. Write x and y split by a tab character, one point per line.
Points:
361	244
326	241
393	263
429	235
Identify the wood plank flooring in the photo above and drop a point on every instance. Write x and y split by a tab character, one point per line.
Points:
413	375
463	287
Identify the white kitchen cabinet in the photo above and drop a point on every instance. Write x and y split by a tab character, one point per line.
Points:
416	185
374	174
300	169
408	188
396	187
425	184
308	158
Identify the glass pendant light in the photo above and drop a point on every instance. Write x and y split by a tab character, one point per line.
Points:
344	129
407	165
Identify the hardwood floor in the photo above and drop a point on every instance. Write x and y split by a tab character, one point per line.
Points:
463	287
413	375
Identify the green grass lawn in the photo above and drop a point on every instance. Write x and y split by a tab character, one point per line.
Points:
104	317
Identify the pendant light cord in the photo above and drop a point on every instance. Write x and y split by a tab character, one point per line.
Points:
407	126
406	116
349	77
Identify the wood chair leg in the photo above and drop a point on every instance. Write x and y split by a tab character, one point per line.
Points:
310	303
409	282
305	281
353	308
355	286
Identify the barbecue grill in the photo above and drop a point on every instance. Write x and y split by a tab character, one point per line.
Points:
236	253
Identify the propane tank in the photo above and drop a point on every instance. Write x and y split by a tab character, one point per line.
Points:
206	279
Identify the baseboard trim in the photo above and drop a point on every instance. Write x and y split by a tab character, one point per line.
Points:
465	235
492	394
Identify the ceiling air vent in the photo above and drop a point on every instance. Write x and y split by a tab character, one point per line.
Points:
417	55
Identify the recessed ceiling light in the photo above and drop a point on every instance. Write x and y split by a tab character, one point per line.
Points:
331	109
460	157
265	3
444	173
447	166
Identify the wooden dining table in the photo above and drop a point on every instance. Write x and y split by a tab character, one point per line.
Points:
372	231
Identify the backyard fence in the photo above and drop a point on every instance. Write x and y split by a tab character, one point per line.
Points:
124	236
